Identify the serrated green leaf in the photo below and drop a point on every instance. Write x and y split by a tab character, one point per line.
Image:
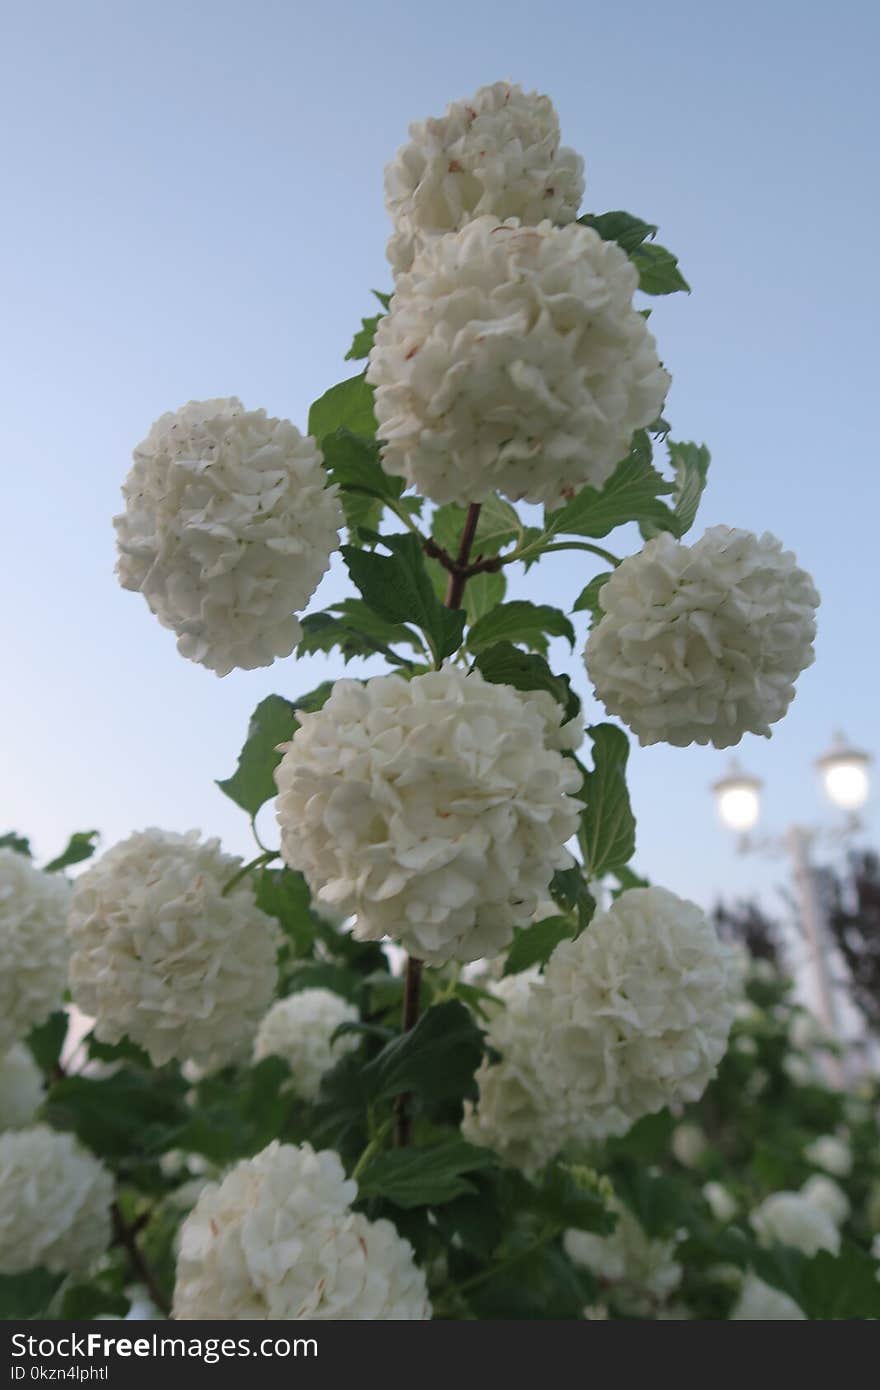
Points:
352	462
505	664
691	465
569	890
346	406
827	1287
356	631
498	524
629	232
384	299
362	341
284	895
436	1059
84	1302
658	269
530	624
534	945
106	1112
47	1041
423	1177
482	593
607	834
398	589
81	845
17	843
631	494
588	599
252	784
27	1295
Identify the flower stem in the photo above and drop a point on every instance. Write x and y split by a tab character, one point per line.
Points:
127	1237
458	578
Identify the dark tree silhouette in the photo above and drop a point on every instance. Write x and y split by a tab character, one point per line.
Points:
745	924
852	905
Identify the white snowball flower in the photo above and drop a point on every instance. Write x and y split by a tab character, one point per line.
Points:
512	1115
512	360
722	1203
277	1239
300	1029
639	1009
435	809
759	1302
161	955
55	1200
689	1143
228	528
21	1088
789	1218
828	1196
831	1153
33	946
496	153
703	643
643	1271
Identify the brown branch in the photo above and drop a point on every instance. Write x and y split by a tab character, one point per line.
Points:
126	1237
460	570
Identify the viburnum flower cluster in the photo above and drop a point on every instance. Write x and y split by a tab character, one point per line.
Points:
162	954
513	360
277	1238
229	525
641	1271
55	1200
300	1029
703	643
33	946
21	1088
497	152
791	1218
631	1016
435	809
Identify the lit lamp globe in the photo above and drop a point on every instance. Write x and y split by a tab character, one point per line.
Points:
738	798
844	773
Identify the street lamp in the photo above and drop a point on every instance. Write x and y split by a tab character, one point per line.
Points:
844	772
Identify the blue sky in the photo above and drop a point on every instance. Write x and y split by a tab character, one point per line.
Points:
194	208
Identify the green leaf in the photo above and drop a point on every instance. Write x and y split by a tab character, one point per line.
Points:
106	1113
237	1113
384	299
123	1051
567	1197
691	464
17	843
81	845
347	406
505	664
356	631
658	270
569	890
828	1287
630	494
83	1302
535	944
436	1059
497	525
629	232
521	621
398	589
423	1177
252	784
284	895
27	1295
353	464
607	834
47	1041
482	593
588	599
363	339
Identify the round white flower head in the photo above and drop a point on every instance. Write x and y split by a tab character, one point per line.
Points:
33	946
703	643
831	1153
497	153
436	809
21	1088
228	528
760	1302
55	1202
277	1239
722	1203
512	1115
689	1143
790	1218
161	955
300	1029
512	360
641	1006
828	1196
643	1271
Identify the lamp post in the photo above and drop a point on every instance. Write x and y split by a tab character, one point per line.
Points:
844	774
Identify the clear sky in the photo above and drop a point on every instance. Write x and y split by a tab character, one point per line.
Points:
193	208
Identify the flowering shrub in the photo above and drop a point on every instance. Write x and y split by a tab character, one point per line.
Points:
400	1066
